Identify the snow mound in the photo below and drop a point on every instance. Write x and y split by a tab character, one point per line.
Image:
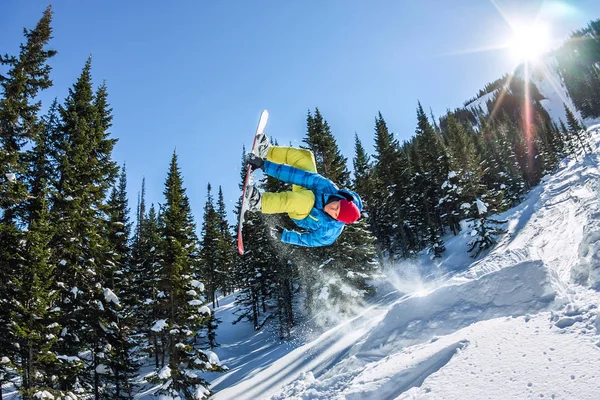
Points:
401	372
587	271
511	291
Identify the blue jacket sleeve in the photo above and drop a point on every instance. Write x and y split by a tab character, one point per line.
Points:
306	239
300	177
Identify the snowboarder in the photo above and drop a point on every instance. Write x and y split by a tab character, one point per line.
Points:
314	204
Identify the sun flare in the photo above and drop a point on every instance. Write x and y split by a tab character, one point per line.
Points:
530	42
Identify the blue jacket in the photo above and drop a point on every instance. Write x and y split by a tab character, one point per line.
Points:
321	229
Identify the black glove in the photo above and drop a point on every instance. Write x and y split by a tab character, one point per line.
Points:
255	162
276	232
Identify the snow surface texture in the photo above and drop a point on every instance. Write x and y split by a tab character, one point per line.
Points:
520	322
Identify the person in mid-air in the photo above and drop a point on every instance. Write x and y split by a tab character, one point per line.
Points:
315	204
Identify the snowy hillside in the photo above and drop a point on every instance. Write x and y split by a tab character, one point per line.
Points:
549	84
521	322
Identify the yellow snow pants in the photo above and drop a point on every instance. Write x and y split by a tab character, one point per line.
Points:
297	203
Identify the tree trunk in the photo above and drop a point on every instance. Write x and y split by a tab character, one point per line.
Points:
117	382
155	340
96	377
255	311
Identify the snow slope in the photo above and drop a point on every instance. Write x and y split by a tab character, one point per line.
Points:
550	85
521	322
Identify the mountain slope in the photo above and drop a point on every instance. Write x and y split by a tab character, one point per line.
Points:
520	322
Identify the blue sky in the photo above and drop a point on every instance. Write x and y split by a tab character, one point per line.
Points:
193	75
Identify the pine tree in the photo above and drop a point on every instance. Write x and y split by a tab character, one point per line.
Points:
483	229
548	142
210	254
463	184
33	322
432	171
363	171
577	129
147	254
392	187
225	259
494	177
118	357
179	300
226	247
85	173
27	75
330	161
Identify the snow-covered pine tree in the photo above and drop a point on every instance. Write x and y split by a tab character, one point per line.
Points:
494	177
416	219
432	172
210	262
103	172
548	144
117	273
139	293
476	200
85	172
36	332
118	364
209	252
225	259
363	173
572	146
226	247
578	130
33	324
147	259
507	159
392	187
27	74
183	314
515	155
319	139
484	230
463	183
363	184
558	140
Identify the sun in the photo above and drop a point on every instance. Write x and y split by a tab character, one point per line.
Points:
529	42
